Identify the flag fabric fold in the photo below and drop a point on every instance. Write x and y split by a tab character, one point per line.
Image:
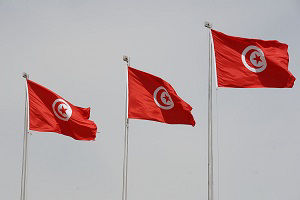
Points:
152	98
251	63
49	112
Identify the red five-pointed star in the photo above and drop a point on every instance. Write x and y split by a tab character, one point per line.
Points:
257	58
166	98
63	110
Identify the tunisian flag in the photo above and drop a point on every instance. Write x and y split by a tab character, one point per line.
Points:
49	112
152	98
251	63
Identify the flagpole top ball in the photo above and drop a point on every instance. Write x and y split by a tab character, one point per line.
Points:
207	24
125	58
25	75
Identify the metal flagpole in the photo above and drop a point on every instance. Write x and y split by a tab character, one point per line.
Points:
25	142
125	159
210	142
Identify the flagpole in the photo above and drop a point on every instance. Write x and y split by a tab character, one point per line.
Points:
25	142
210	138
125	159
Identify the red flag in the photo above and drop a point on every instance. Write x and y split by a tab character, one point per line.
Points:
152	98
49	112
251	63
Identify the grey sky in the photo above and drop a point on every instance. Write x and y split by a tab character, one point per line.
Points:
75	48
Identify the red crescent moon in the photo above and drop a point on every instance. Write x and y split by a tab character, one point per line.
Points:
247	57
56	109
158	97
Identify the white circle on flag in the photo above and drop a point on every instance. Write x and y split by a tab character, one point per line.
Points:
256	57
62	109
162	98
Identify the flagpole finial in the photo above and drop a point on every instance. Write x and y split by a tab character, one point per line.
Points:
208	24
126	59
25	75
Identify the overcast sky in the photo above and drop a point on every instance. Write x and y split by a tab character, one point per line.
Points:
75	48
